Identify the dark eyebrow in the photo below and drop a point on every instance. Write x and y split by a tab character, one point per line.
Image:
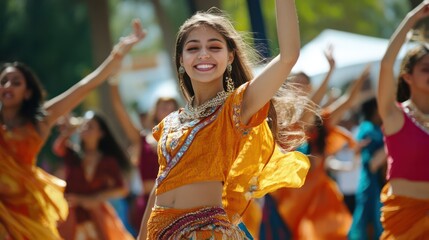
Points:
210	40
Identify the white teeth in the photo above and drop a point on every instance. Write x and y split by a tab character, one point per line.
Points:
204	66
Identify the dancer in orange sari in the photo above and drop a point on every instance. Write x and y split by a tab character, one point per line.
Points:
31	201
218	152
404	110
317	210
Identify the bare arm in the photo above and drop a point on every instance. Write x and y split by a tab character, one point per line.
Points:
69	99
316	98
143	227
378	160
264	86
322	89
59	146
338	165
112	193
90	201
131	130
386	96
348	100
66	129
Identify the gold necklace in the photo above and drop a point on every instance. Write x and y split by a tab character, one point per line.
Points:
203	110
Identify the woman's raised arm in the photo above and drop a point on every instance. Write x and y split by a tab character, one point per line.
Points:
387	87
69	99
264	86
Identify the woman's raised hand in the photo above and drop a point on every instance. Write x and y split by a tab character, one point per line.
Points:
126	43
329	56
421	11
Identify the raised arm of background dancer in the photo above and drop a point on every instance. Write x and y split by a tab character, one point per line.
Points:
59	147
378	160
90	200
131	130
316	98
387	88
143	227
69	99
264	86
323	88
348	100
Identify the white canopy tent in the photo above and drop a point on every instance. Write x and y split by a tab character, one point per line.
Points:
352	52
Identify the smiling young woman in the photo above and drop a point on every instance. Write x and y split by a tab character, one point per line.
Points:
221	150
402	107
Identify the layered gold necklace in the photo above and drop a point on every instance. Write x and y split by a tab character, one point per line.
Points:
419	116
190	112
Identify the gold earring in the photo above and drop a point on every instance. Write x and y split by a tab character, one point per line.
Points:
181	71
229	82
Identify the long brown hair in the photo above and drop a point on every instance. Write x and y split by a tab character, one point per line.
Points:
412	57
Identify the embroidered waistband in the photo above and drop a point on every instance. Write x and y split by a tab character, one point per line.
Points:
204	218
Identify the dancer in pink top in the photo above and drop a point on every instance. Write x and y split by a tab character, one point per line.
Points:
406	128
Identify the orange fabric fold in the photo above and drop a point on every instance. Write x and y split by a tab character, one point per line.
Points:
316	210
107	224
404	217
34	200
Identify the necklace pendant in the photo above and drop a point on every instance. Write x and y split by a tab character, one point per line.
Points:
204	110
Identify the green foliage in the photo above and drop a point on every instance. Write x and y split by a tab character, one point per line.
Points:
237	10
51	36
176	11
123	12
368	17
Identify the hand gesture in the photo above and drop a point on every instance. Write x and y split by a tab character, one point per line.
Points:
329	57
126	43
366	72
421	11
68	124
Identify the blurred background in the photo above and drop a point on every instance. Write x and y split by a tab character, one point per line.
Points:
64	40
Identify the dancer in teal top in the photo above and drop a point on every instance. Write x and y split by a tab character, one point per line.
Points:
367	211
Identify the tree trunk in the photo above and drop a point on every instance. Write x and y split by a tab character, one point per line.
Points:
169	35
258	28
98	11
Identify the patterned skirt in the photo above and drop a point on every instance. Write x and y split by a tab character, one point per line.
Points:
195	223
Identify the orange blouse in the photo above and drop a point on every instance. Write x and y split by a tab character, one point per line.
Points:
19	139
34	201
221	148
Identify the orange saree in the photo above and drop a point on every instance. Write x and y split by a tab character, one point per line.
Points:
31	200
397	208
316	210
